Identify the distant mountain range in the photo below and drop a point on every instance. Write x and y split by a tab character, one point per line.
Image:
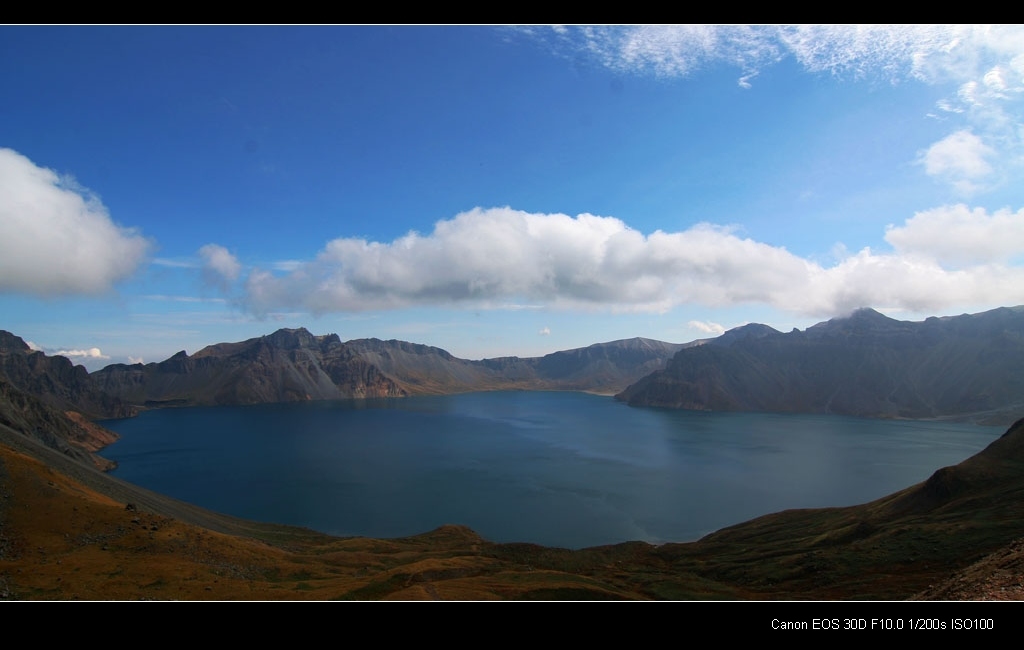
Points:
862	365
294	365
865	364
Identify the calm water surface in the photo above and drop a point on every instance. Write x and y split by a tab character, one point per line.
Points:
553	468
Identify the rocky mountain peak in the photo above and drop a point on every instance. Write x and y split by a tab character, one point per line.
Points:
862	320
290	339
11	343
300	338
868	315
744	332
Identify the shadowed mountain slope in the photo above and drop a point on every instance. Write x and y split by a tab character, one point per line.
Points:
51	400
862	365
55	380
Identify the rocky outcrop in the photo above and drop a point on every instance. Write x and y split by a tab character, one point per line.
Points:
286	366
864	365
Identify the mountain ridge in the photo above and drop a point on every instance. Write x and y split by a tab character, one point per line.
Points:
295	365
865	365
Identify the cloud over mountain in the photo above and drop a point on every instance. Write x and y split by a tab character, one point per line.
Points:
488	257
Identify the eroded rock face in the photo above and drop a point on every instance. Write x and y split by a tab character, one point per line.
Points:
863	365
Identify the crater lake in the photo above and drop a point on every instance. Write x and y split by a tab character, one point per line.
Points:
554	468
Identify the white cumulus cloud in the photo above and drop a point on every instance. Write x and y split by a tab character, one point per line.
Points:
961	159
706	326
220	267
56	238
492	257
91	353
957	236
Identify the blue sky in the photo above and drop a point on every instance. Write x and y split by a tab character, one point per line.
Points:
500	190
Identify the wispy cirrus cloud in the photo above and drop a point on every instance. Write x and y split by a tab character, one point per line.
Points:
983	66
166	298
930	53
175	263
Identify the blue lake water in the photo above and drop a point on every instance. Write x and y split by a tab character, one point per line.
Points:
554	468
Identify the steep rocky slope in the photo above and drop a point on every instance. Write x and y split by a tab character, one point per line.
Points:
863	365
55	380
52	401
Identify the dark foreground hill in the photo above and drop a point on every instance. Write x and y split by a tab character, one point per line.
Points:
68	531
864	365
294	365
